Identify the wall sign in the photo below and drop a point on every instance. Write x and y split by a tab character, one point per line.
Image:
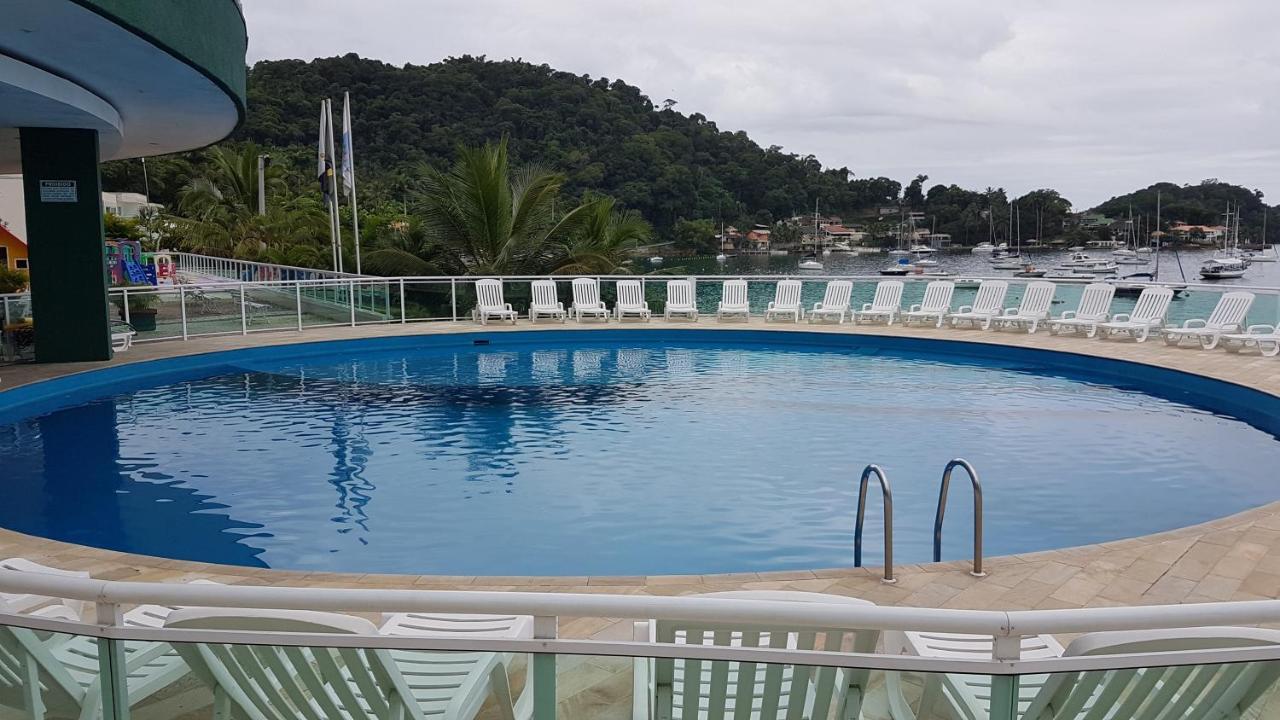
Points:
58	191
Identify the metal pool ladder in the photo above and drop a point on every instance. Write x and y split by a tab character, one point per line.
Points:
887	494
942	513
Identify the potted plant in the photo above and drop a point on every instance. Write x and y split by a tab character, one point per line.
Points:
142	308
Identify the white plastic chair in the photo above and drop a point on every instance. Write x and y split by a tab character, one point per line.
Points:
986	306
680	300
835	302
1147	315
886	304
122	335
934	306
489	303
631	302
1227	317
1037	299
1094	308
786	302
586	300
733	300
545	302
664	688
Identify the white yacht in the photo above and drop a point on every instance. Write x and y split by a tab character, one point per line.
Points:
1224	268
983	248
810	263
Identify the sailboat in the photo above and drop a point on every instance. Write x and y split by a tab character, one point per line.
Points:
1137	282
1228	264
811	262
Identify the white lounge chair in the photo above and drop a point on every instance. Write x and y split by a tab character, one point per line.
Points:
786	302
680	300
263	682
545	302
886	304
586	300
1147	315
1206	691
1263	337
986	305
28	603
835	302
489	303
733	300
934	306
1037	299
122	334
968	695
1227	317
631	302
1094	308
59	675
664	688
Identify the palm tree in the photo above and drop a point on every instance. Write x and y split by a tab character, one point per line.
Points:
603	241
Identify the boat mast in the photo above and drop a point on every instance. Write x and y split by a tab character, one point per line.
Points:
1159	239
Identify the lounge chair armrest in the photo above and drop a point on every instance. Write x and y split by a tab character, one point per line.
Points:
1262	330
1120	317
866	307
1010	311
816	307
915	308
1196	323
770	305
964	309
1068	315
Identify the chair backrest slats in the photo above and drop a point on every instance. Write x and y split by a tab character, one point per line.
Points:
937	295
1095	303
544	294
489	293
1152	305
1037	299
888	295
990	296
630	294
734	293
1230	310
837	294
586	293
787	294
679	293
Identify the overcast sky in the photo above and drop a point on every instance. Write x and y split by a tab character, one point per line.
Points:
1092	97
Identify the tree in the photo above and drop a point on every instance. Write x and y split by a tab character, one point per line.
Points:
913	196
695	236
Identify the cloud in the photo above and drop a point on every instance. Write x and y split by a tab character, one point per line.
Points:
1092	97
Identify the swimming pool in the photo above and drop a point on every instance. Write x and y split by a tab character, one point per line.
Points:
620	452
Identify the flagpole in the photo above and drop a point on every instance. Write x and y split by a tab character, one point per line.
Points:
349	172
333	183
322	175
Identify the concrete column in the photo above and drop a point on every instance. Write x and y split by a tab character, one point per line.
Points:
63	198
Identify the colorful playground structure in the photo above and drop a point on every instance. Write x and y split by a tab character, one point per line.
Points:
127	264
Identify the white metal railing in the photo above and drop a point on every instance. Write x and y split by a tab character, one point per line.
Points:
1005	628
217	299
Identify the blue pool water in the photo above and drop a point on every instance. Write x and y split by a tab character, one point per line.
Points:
614	453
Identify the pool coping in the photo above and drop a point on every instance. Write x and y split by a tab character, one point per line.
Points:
1231	558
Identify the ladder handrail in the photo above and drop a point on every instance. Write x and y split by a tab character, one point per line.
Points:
977	513
887	494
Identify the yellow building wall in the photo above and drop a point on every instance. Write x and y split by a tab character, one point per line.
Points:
15	249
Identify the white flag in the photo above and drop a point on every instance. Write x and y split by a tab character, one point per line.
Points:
348	155
324	168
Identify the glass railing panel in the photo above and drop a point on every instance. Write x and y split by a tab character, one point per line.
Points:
49	675
433	300
212	309
271	306
325	303
154	314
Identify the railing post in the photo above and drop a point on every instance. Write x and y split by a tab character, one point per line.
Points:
112	674
182	306
124	293
402	318
544	669
244	317
297	294
1004	688
351	295
453	294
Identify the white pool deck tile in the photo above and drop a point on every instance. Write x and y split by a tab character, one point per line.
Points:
1231	558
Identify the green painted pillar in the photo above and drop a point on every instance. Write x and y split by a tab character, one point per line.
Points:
64	241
